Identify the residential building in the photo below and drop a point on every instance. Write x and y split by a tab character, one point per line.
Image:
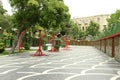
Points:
83	22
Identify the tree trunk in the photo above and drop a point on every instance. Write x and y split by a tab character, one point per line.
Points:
16	42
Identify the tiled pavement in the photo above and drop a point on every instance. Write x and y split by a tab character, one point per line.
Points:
79	63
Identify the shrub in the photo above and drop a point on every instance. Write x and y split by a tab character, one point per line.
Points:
57	47
44	47
27	46
2	47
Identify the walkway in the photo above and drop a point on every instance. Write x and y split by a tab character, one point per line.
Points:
79	63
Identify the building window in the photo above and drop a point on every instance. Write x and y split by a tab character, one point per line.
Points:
79	24
86	24
104	26
98	19
83	28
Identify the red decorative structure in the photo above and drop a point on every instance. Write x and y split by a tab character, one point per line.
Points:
67	43
53	49
39	51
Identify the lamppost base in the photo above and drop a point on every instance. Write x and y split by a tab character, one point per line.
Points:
66	48
39	53
53	50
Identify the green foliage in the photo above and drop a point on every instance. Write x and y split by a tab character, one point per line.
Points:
76	32
93	29
27	46
2	46
2	11
62	45
57	45
54	14
46	13
58	42
44	47
4	18
113	25
114	18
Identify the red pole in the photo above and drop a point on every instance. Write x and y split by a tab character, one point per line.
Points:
113	47
39	51
105	45
67	43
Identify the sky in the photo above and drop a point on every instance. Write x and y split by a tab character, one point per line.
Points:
84	8
7	6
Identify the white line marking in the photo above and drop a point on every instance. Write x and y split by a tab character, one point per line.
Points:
45	72
29	76
5	72
84	71
27	72
115	77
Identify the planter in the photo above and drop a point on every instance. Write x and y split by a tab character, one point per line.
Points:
27	46
57	47
44	47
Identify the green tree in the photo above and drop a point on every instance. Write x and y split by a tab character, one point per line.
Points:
26	14
114	18
92	30
3	18
54	14
46	13
76	32
113	25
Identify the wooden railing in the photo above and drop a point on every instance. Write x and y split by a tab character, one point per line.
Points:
110	45
81	42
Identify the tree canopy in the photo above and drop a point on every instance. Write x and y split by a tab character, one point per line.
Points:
54	14
46	13
3	19
93	29
114	18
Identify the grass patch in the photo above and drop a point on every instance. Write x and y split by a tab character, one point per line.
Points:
6	52
23	50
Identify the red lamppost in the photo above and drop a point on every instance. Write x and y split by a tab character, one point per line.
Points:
66	38
39	51
66	42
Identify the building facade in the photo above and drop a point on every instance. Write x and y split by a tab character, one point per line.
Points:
83	22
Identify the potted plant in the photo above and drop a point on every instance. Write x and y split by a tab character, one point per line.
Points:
27	46
57	45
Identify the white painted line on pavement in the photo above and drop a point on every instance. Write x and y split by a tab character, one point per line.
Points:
27	72
45	72
118	72
84	71
29	76
115	77
34	66
5	72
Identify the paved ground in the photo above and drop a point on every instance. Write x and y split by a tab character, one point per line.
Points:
79	63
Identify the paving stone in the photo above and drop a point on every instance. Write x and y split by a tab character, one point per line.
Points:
85	61
93	77
49	77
